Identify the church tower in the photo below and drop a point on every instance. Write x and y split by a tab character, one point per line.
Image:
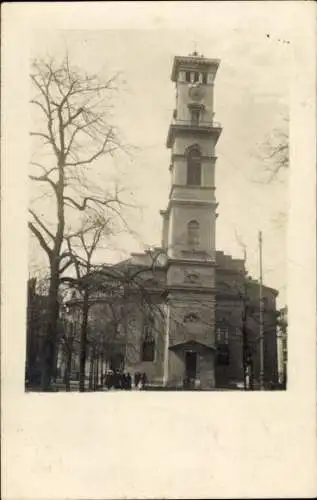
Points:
189	225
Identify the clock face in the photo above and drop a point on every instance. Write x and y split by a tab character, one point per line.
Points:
196	92
161	259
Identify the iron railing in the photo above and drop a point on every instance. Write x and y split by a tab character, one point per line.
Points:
199	124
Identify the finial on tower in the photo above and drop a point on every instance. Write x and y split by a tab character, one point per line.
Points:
195	51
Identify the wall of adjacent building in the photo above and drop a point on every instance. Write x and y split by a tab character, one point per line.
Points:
209	307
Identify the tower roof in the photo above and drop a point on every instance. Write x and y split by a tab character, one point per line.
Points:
193	61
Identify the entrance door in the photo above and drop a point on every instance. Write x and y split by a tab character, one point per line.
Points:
117	362
190	368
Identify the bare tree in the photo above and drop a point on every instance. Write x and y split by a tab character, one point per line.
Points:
275	153
118	291
72	133
81	248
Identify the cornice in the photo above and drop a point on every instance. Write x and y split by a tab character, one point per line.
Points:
192	289
175	201
190	262
192	62
196	105
227	296
186	186
176	156
213	129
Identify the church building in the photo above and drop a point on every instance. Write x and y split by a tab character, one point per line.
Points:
191	317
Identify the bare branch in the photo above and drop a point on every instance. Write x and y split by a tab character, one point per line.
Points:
37	103
72	117
45	93
82	206
44	178
41	224
275	153
40	134
75	261
65	266
41	240
77	129
46	172
101	151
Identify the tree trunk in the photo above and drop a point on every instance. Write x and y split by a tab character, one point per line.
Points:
68	370
69	360
96	373
83	342
91	370
244	358
53	305
104	366
32	336
251	376
49	347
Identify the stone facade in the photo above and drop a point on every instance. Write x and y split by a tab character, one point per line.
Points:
192	137
195	295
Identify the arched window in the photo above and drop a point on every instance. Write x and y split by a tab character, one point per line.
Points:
194	167
148	350
191	318
193	234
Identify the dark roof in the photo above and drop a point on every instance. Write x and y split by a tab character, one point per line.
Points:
188	344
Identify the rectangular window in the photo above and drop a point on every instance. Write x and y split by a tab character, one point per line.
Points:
187	76
194	175
205	78
223	355
222	335
195	116
196	77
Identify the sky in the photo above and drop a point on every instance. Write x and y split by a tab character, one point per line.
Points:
251	102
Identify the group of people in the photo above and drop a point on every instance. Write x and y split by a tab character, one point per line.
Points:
118	380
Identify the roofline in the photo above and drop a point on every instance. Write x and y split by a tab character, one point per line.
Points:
195	60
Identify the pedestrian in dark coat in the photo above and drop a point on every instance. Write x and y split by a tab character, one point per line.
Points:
136	379
124	381
144	380
129	381
116	380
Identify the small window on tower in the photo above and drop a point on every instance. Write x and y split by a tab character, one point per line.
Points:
193	234
205	78
187	76
195	116
196	77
